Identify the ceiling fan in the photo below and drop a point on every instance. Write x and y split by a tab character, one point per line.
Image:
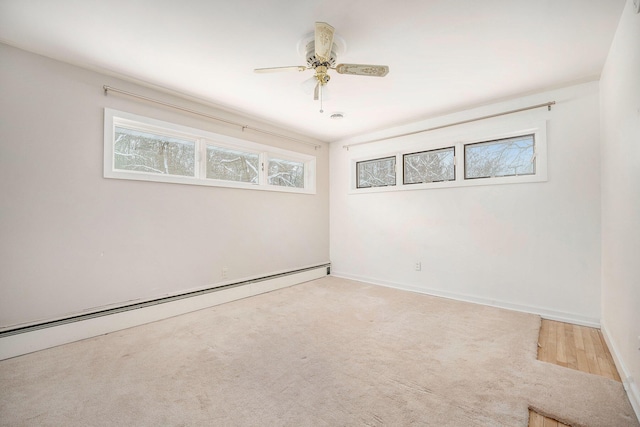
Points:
321	57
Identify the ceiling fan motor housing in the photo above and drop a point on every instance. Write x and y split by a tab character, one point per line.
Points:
314	62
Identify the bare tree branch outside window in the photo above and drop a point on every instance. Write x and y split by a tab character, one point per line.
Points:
286	173
376	173
502	157
429	166
147	152
232	165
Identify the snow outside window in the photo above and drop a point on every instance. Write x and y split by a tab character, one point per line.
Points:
141	148
503	157
153	153
232	165
376	172
286	173
430	166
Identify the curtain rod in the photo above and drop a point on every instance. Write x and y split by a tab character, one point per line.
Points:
546	104
188	110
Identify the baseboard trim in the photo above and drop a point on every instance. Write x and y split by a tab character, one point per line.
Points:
630	385
542	312
55	333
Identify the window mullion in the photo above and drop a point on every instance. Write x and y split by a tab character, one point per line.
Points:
262	179
201	159
459	162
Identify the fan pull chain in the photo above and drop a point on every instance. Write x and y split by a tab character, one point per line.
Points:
321	110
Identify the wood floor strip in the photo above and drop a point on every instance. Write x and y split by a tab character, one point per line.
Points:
570	349
581	355
535	419
561	342
609	359
551	343
548	422
590	352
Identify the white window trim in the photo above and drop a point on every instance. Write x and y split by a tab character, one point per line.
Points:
413	144
225	183
309	172
202	139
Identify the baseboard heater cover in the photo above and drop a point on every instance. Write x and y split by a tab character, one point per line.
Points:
163	300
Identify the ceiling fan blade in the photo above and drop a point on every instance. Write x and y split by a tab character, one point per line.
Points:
276	69
316	92
363	69
323	41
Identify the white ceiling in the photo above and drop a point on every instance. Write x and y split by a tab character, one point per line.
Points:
443	55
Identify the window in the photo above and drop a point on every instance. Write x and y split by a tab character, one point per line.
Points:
232	165
502	157
376	173
141	148
286	173
429	166
153	153
513	151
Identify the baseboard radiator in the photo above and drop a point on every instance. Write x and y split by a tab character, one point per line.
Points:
26	339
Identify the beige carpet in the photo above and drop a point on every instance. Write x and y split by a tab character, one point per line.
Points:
330	352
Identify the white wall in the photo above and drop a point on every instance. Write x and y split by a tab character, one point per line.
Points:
620	151
71	240
533	246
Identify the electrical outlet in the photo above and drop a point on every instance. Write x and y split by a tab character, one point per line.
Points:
225	272
418	266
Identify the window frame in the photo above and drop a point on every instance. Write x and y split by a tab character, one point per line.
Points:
155	130
457	139
404	174
497	141
202	138
395	170
275	156
224	182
